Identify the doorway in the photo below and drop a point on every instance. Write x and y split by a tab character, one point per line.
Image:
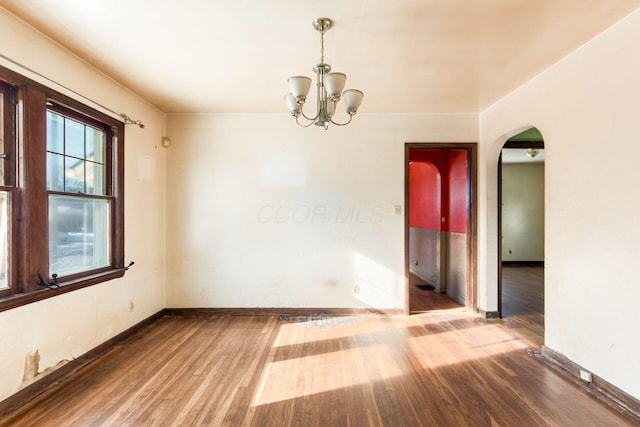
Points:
521	232
440	225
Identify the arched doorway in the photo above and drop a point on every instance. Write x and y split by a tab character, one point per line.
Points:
521	232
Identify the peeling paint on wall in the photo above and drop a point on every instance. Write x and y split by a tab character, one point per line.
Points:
32	367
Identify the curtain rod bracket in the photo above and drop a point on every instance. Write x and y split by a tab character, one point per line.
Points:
129	121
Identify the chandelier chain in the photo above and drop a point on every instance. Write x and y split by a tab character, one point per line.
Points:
322	45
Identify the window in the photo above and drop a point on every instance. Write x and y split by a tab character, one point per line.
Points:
61	193
7	189
79	200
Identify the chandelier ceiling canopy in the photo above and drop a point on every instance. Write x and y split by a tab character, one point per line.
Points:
329	90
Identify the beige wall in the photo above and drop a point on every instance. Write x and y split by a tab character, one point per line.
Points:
523	211
258	209
65	327
587	109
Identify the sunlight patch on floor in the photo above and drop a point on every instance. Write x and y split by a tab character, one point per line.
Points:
452	310
439	349
305	376
326	328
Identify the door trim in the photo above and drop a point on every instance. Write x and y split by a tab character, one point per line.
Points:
472	215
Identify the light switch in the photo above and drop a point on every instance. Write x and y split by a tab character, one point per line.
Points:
397	209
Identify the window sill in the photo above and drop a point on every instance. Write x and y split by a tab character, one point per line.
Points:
17	300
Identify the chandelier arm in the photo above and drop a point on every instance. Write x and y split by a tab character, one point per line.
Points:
301	125
313	119
342	124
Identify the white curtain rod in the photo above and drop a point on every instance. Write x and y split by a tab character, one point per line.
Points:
23	69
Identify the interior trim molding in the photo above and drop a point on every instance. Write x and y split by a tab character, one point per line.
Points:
489	315
598	387
523	263
284	311
21	397
471	289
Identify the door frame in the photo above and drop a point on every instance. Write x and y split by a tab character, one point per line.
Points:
472	215
508	144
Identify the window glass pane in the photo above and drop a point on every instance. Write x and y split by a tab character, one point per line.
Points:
55	133
55	172
78	234
73	175
4	240
94	178
73	138
95	144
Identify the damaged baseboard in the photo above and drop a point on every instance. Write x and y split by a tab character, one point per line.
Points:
40	383
596	386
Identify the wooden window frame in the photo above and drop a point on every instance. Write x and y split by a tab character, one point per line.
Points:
29	196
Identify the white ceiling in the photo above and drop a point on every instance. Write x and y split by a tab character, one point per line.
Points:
408	56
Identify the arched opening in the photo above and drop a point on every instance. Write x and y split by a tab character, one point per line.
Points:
521	232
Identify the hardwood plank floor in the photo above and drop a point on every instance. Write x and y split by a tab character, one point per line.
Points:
424	300
442	368
523	301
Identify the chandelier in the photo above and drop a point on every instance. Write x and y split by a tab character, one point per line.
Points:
329	89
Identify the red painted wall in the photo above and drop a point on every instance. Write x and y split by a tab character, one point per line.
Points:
424	196
424	209
457	191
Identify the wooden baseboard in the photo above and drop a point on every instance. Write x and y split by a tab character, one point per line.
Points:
489	315
273	311
523	263
598	387
38	387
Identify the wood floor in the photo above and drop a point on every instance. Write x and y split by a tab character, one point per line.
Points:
425	300
441	368
523	301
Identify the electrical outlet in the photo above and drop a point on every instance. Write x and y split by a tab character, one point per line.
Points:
356	289
585	376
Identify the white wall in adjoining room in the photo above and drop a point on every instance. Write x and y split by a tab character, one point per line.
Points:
587	111
66	326
263	213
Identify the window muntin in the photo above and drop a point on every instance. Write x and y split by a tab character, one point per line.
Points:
75	156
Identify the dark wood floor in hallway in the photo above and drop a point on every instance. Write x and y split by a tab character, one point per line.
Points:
441	368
